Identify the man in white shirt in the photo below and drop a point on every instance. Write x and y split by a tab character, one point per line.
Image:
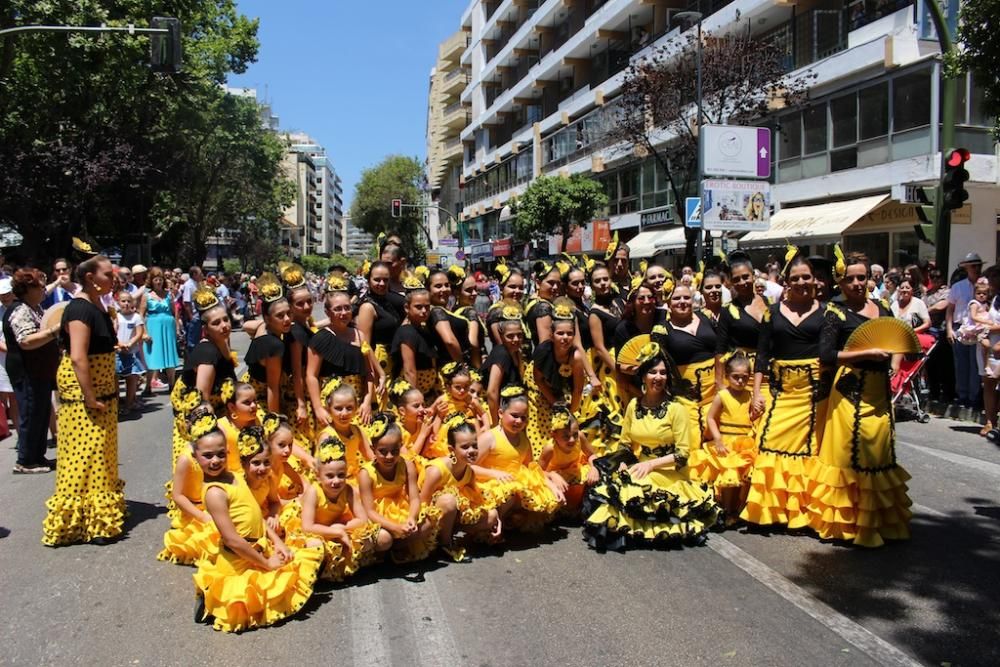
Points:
877	273
967	381
192	326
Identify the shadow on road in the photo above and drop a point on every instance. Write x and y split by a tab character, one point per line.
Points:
939	590
138	512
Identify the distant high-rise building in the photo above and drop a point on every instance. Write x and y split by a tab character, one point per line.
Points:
318	209
357	242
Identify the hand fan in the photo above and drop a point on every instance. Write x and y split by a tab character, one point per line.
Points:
884	333
52	317
628	355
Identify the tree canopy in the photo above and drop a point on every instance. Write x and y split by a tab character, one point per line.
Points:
395	177
557	204
979	52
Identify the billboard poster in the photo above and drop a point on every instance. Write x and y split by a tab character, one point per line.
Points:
737	205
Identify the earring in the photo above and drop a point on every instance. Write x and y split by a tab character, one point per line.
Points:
232	416
452	457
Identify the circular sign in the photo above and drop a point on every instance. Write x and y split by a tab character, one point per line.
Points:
460	255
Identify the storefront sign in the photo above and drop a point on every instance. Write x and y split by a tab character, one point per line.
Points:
737	205
594	237
734	150
481	252
657	216
501	248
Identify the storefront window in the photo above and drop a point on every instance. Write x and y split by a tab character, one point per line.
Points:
791	136
874	111
875	246
814	129
911	101
844	115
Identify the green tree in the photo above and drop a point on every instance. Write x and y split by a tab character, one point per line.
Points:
979	53
558	204
396	177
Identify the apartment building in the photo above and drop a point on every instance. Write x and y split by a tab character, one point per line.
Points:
318	208
357	242
544	76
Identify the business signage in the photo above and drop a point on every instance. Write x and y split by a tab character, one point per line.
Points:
735	150
663	215
502	248
741	206
594	237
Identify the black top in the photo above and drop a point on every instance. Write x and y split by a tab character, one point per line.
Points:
494	316
500	357
395	303
786	340
736	328
470	314
536	309
545	361
262	348
102	333
459	328
301	335
339	358
40	363
686	349
583	324
206	353
421	340
839	323
387	319
609	323
627	330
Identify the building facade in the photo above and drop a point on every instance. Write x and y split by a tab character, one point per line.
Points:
357	242
545	75
314	220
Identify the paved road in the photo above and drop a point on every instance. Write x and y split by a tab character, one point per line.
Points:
748	598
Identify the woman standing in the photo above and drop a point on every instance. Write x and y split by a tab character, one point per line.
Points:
643	495
505	363
32	361
639	317
711	292
267	350
913	311
739	324
451	332
378	316
538	312
857	491
88	504
605	314
295	398
511	283
465	291
793	422
162	329
413	354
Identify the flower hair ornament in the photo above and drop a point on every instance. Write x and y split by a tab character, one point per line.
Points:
840	266
202	426
271	422
331	449
399	387
292	275
511	313
564	268
453	420
412	282
563	309
647	352
188	400
366	268
453	368
790	253
502	272
588	264
541	269
335	283
331	386
512	391
475	375
250	441
227	390
422	272
635	284
612	247
561	416
668	285
270	288
204	299
380	424
456	274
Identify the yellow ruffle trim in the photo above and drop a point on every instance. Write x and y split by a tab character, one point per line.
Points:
189	540
73	519
472	503
729	470
399	512
337	565
778	491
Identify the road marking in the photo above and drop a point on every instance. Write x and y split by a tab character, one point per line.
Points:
863	639
960	459
435	644
924	509
367	624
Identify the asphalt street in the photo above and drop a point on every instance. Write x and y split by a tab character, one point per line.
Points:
748	597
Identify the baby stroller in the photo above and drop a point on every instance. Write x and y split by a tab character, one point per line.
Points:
909	387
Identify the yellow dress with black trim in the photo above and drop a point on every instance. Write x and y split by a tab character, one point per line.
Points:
731	469
528	486
337	564
391	500
352	445
439	446
237	594
472	502
701	375
189	539
791	428
662	507
88	502
857	490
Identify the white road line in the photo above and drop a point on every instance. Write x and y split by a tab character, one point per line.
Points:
924	509
367	624
434	641
873	646
960	459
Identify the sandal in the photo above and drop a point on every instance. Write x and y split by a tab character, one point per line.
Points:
31	470
987	427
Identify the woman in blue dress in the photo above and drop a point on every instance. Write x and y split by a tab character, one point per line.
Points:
161	327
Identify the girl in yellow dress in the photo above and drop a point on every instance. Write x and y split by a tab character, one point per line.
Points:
253	580
192	533
342	406
456	400
259	477
414	357
507	470
857	490
287	472
391	496
416	421
725	462
567	459
449	483
331	510
643	495
241	411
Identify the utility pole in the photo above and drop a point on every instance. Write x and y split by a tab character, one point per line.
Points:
949	91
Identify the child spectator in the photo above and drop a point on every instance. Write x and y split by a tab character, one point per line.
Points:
130	332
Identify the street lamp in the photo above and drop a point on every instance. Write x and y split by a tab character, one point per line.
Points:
686	19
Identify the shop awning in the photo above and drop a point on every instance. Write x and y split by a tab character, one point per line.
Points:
818	224
647	244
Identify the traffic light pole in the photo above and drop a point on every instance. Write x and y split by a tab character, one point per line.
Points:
130	29
949	92
427	232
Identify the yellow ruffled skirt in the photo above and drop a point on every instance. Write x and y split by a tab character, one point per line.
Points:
787	445
857	491
728	470
338	564
532	493
189	540
397	509
88	502
701	376
241	597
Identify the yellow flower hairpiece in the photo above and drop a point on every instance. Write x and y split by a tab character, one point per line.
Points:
647	352
502	271
511	313
380	240
542	269
83	247
589	264
203	425
335	283
331	449
292	275
380	424
270	423
227	390
512	391
456	274
250	442
699	276
564	268
643	267
840	266
204	299
366	268
563	309
612	247
269	287
561	417
449	368
399	387
475	375
331	386
453	420
659	329
790	253
412	282
422	272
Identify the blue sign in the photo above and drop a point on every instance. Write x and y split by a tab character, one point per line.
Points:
692	212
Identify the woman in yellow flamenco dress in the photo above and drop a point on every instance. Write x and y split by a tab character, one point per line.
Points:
507	471
192	534
88	504
643	495
254	579
391	497
331	510
791	426
857	490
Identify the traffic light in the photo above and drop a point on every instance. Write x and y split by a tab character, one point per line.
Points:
953	193
928	214
165	49
397	208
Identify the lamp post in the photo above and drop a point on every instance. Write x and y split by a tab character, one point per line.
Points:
687	18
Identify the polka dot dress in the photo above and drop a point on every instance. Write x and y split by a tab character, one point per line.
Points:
88	502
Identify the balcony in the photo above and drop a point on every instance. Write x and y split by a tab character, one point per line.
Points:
456	115
810	36
452	149
454	82
451	49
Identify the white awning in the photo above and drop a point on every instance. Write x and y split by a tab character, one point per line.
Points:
648	244
819	224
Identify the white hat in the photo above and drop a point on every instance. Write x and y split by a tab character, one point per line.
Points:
6	287
139	268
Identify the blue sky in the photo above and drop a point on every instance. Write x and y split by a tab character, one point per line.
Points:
351	73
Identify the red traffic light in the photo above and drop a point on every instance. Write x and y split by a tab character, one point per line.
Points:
397	208
957	157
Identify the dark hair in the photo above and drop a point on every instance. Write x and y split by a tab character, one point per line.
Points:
416	292
799	260
737	359
399	399
377	265
513	272
629	311
572	270
463	427
541	270
917	273
597	267
394	251
89	266
23	280
710	274
853	258
506	401
240	387
64	261
459	370
392	428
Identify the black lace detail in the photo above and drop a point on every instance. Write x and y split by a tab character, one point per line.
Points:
851	384
776	388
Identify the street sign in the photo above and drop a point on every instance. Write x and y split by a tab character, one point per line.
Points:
739	206
664	215
692	212
735	150
460	256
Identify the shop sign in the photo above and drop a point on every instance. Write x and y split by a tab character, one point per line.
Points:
657	216
481	251
594	237
501	248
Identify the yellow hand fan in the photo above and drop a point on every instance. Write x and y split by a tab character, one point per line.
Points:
629	354
52	317
884	333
